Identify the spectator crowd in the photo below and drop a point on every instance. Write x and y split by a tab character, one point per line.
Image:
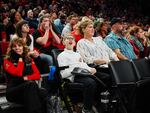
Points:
100	31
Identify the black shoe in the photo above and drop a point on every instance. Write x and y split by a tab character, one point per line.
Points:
87	111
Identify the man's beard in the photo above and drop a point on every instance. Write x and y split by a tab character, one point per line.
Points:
120	32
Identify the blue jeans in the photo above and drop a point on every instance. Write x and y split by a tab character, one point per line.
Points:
47	58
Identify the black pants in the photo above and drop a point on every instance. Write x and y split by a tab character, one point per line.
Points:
89	90
30	95
104	75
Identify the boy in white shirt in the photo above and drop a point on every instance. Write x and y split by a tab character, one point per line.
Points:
72	59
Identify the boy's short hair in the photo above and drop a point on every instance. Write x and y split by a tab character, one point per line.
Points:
42	17
68	36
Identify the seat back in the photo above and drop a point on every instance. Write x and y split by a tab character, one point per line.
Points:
129	74
123	72
62	91
125	79
142	66
3	50
55	53
3	47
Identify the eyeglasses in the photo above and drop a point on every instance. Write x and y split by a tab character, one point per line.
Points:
70	38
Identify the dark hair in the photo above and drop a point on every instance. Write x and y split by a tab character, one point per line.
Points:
72	16
19	31
62	16
99	26
12	17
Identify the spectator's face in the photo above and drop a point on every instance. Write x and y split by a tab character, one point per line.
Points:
89	30
45	22
25	28
17	48
17	16
140	34
69	43
74	20
63	21
75	27
36	12
30	15
5	21
54	16
104	27
119	27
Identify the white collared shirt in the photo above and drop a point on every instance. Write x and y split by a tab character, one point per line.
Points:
71	59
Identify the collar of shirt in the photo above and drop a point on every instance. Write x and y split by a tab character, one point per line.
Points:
115	36
69	51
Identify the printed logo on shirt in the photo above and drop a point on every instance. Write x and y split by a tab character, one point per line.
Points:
7	65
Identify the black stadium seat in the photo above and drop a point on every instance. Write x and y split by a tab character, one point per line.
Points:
130	88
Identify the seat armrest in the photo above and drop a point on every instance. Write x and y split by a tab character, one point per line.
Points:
145	78
127	84
98	65
93	65
63	67
39	82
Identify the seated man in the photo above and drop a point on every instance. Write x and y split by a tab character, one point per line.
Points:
72	59
118	43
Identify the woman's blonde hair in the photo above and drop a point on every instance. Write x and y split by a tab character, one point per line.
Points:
83	24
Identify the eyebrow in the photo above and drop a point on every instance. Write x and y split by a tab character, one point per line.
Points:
69	38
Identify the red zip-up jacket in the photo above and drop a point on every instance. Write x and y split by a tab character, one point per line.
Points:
17	71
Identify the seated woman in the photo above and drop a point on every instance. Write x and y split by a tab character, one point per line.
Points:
95	51
22	31
72	59
21	73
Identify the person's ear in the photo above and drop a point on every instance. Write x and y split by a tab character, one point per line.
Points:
83	30
74	42
63	41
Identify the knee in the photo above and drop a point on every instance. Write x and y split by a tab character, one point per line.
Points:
32	84
91	83
47	58
43	92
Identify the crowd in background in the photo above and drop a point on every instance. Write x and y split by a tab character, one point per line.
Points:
100	11
103	30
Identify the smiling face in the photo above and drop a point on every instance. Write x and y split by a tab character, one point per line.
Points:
17	48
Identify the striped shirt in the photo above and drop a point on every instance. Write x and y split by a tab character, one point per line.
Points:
137	43
114	42
97	49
